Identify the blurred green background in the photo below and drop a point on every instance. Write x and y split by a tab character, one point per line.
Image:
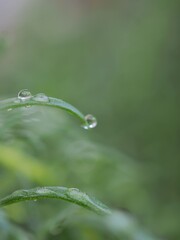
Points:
118	60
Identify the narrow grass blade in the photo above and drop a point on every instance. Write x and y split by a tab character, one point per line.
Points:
12	103
69	194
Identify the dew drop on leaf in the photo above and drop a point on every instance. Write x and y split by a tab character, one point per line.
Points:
74	193
41	97
17	100
74	189
91	122
28	106
24	94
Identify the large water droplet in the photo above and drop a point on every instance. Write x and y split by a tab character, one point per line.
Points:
91	122
41	97
24	94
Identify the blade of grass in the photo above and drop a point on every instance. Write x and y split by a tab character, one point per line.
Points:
12	103
69	194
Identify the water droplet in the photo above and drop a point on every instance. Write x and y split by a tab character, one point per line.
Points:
41	97
74	193
74	189
28	106
24	94
91	122
17	100
9	109
35	200
42	191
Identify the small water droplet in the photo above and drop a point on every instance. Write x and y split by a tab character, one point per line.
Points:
28	106
41	97
42	191
91	122
24	94
74	193
9	109
74	189
17	100
35	200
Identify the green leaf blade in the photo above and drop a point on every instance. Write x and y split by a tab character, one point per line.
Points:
13	103
72	195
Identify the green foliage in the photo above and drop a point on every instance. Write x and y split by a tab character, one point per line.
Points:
25	99
12	103
73	171
119	60
71	195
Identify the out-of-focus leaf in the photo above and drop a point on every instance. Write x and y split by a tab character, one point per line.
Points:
117	225
10	231
16	160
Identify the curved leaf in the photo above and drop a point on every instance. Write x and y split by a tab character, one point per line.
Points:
69	194
12	103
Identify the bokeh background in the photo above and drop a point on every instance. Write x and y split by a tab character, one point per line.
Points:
118	60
